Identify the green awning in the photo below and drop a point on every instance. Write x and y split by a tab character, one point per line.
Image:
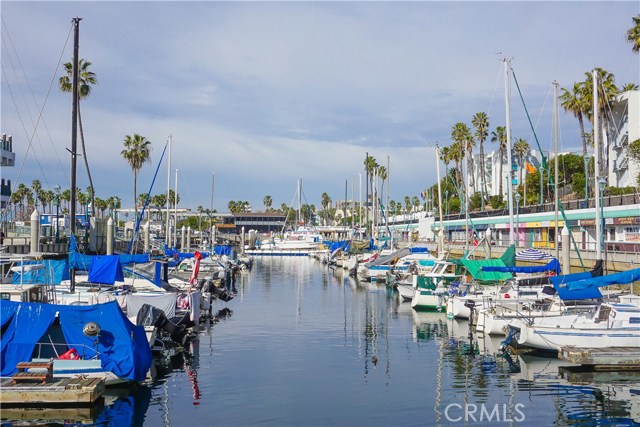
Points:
474	267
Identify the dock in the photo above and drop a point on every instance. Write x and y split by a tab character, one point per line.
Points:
603	359
69	392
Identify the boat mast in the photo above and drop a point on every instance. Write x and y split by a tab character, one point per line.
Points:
555	168
167	234
74	137
507	95
213	182
299	202
386	209
175	213
441	231
466	204
596	162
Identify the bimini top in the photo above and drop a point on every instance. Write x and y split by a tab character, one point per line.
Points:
585	287
122	347
553	265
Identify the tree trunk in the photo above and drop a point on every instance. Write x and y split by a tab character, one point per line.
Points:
135	191
483	181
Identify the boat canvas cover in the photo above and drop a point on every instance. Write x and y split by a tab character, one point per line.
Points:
222	250
384	260
122	347
83	262
553	265
588	287
509	256
474	267
106	269
54	272
163	301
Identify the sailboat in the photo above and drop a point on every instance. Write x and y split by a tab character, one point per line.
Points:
297	241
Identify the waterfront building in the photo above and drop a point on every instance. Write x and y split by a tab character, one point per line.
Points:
7	160
622	171
624	128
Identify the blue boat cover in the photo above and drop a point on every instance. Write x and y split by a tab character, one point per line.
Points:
588	286
553	265
106	269
83	262
122	347
221	250
54	272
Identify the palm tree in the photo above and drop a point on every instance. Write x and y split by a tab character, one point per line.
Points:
500	136
86	79
574	101
521	149
137	151
628	86
267	201
326	202
37	190
633	34
481	122
370	166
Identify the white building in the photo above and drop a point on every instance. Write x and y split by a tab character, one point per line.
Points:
624	128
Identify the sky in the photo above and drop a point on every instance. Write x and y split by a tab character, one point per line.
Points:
261	94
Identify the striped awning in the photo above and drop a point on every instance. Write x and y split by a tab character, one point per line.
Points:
532	255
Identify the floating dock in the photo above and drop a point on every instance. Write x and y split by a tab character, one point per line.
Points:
603	359
74	392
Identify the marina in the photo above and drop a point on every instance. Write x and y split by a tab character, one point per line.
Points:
297	322
498	287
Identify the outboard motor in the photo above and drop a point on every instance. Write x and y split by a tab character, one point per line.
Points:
153	316
222	294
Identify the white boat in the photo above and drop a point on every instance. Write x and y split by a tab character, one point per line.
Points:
609	325
430	291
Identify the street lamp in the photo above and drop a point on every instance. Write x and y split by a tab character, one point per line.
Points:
586	179
57	191
602	183
518	197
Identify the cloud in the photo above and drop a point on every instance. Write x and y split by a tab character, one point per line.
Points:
264	93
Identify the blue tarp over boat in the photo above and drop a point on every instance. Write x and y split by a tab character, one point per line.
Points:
54	271
83	262
588	287
553	265
106	269
122	346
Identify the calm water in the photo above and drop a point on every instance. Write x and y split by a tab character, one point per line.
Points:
303	345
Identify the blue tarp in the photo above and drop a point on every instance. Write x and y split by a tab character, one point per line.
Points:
588	286
122	347
220	250
54	272
553	265
83	262
106	269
